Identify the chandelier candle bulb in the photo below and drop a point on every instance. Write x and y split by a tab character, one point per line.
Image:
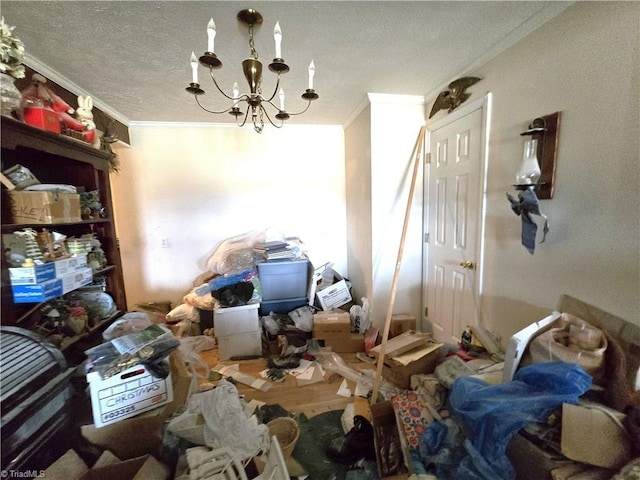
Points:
211	35
194	68
236	93
312	72
281	95
277	36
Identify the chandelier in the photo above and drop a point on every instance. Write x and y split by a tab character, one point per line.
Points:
253	104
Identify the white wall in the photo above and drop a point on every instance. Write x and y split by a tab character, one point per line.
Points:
381	145
358	191
196	185
583	63
395	127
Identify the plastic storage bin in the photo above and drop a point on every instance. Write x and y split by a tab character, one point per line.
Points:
282	306
238	331
284	279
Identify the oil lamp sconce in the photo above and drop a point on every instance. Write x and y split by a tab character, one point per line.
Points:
535	179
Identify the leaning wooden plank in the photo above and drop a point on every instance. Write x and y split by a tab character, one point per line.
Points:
396	272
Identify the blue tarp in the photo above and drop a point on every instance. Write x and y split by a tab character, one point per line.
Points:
489	415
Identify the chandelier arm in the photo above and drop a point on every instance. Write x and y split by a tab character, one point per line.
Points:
246	115
211	111
302	111
264	110
275	90
218	86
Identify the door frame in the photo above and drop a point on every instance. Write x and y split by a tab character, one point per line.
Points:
484	104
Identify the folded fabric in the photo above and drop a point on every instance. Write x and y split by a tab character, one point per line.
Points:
527	205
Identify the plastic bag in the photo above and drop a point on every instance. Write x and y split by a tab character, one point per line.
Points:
217	417
149	347
360	316
572	340
234	290
130	322
490	415
235	254
303	318
190	348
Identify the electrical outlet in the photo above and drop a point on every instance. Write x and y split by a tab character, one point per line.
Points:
164	243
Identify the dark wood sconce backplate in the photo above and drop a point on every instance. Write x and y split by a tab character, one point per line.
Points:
547	152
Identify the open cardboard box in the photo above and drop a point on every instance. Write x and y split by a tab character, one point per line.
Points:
142	435
594	434
139	468
398	369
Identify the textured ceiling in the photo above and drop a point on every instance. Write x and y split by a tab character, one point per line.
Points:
133	57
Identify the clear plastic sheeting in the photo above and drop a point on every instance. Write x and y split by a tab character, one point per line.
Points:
235	254
489	415
217	418
364	379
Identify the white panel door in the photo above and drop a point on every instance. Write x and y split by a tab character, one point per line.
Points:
454	210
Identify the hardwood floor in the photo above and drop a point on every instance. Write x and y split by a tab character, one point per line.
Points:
308	399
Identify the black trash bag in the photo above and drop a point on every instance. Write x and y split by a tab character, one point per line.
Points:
234	295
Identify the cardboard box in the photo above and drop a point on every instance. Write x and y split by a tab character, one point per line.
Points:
42	118
349	343
532	462
41	292
398	369
71	264
387	441
37	292
47	271
144	432
401	323
591	433
73	280
141	467
334	296
127	394
43	207
32	275
331	324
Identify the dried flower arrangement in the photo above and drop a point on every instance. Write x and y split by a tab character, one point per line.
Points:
11	52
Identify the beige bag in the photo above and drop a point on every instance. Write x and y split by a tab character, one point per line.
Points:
571	339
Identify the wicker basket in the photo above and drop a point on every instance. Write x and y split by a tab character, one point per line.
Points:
287	432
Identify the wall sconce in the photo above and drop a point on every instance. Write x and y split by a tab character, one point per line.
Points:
538	168
537	173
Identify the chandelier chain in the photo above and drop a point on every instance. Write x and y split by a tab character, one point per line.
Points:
254	52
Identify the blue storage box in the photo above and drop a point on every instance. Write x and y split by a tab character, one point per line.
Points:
37	292
32	275
282	306
284	279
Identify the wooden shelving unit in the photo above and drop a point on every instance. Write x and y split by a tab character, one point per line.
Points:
58	159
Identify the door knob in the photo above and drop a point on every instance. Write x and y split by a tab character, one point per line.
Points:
467	264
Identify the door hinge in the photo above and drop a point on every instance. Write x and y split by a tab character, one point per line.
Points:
426	312
426	238
427	157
